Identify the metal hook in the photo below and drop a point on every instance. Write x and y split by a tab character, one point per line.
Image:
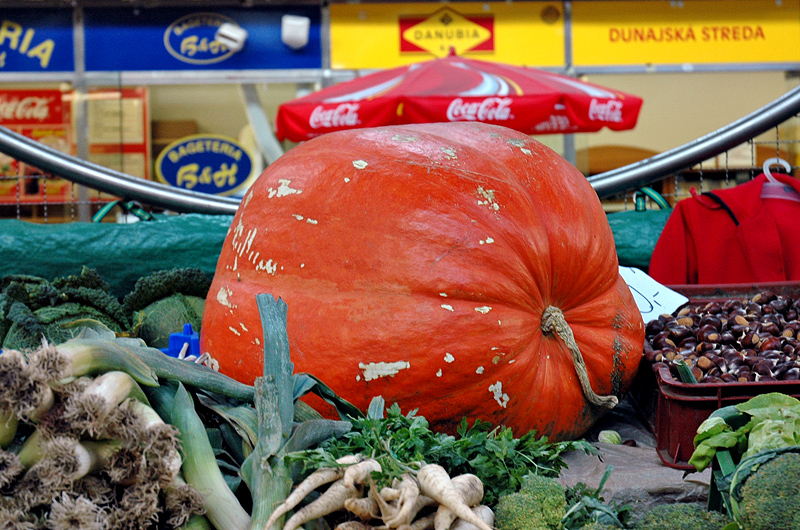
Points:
769	162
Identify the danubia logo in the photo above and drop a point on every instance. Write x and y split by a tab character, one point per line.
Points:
210	163
192	38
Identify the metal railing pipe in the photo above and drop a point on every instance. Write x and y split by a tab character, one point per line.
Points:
646	171
107	180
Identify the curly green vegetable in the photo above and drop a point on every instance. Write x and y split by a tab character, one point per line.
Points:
769	498
539	505
682	516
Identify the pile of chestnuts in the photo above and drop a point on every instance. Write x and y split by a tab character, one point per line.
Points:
730	341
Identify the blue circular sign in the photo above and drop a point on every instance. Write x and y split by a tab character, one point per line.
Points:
207	163
193	38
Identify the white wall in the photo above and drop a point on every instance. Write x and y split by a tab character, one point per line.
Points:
681	107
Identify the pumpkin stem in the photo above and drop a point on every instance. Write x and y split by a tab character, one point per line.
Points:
553	321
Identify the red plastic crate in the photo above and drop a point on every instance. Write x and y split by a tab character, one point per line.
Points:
674	410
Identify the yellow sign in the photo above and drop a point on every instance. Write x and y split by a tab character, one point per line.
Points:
385	35
446	30
647	32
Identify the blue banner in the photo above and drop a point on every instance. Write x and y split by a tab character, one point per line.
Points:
184	39
36	40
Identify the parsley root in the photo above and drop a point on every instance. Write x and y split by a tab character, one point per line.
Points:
484	512
353	525
329	502
360	472
365	508
312	482
423	523
409	492
389	494
436	483
470	489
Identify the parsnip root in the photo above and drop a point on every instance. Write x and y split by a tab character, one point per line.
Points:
329	502
484	512
313	481
436	483
409	493
470	488
360	472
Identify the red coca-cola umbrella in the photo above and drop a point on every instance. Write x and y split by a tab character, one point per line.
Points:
458	89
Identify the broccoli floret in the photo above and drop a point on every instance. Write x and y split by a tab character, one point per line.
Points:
187	281
770	497
682	516
540	504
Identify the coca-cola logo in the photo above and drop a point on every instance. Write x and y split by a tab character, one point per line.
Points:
344	115
490	109
610	111
29	108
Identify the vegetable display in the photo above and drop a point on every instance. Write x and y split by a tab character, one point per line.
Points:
160	304
103	432
461	269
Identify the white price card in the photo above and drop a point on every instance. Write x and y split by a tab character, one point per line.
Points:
651	297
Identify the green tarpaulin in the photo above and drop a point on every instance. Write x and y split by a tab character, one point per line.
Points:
122	253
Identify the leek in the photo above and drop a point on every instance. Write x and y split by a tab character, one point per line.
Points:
115	387
91	410
67	512
192	374
200	467
90	357
10	467
265	471
181	503
32	449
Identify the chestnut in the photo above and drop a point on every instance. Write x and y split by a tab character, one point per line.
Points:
653	327
679	332
710	320
792	374
769	343
762	368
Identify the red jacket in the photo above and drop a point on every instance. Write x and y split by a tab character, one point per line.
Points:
738	238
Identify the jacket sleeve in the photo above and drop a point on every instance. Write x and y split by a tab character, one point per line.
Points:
669	263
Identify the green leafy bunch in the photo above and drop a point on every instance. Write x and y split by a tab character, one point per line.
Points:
768	421
587	505
399	441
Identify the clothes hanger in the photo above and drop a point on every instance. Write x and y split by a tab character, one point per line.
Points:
773	189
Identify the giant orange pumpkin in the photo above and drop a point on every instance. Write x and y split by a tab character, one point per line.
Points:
434	265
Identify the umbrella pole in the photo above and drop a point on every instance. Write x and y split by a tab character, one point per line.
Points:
268	144
569	149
